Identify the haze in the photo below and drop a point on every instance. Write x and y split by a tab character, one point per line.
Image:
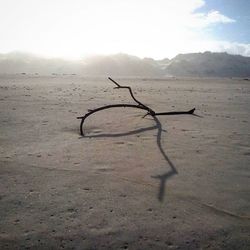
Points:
158	29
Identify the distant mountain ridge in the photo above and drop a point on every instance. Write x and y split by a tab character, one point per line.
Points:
205	64
209	64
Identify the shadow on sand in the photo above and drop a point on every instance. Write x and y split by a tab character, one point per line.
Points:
162	178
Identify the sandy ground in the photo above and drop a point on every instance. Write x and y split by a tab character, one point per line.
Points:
132	182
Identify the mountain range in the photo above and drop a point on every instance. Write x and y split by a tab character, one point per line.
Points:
205	64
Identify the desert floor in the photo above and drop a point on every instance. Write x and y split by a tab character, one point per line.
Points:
179	182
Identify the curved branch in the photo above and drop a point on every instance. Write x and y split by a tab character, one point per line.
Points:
107	107
139	106
92	111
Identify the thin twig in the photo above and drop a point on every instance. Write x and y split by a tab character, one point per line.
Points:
191	111
132	95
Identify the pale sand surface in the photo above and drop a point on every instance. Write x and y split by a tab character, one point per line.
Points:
117	188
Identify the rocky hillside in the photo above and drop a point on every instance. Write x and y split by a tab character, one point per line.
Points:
209	64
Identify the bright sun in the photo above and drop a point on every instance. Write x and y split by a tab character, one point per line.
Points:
73	29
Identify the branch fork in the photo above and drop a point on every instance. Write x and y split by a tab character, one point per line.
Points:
139	105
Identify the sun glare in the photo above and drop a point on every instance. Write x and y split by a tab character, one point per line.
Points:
76	29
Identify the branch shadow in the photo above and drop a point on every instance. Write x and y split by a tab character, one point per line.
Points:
200	116
164	177
133	132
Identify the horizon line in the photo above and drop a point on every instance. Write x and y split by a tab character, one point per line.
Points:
34	54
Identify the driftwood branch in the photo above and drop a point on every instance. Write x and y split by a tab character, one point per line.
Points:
139	105
132	95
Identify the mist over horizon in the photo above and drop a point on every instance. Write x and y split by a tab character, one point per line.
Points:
125	38
19	53
207	64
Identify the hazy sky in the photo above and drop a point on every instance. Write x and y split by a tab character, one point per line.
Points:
145	28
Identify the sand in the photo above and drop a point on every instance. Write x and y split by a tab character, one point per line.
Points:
130	183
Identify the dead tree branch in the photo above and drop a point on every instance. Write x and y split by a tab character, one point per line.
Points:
139	105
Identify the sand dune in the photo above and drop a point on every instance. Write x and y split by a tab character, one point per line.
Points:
179	182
